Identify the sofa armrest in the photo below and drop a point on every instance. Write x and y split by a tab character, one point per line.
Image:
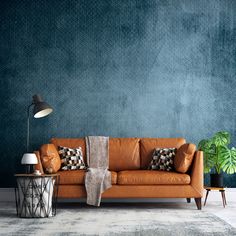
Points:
197	172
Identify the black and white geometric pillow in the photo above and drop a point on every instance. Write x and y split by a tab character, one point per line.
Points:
71	158
163	159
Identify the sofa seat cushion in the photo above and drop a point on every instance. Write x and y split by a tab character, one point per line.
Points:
151	177
78	177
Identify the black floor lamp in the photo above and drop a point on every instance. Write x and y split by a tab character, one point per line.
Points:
40	109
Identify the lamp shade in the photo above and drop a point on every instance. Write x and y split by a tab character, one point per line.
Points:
41	108
29	159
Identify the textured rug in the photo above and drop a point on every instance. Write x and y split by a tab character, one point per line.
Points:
117	219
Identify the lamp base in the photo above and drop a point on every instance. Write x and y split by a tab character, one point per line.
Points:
28	169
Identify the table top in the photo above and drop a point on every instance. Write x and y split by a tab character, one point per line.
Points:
214	188
33	175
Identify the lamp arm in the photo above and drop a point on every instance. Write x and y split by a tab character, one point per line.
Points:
28	126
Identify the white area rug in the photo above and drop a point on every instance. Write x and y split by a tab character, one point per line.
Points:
117	219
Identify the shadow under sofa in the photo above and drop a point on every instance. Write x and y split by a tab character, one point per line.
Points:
128	162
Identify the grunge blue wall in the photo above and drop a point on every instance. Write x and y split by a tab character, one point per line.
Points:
118	68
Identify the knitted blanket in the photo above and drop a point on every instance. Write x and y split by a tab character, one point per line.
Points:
97	178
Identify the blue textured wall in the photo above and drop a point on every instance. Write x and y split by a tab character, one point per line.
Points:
116	68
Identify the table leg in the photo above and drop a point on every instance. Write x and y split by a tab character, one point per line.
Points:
223	197
208	190
223	192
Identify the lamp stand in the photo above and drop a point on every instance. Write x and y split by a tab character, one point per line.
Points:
28	169
41	109
28	127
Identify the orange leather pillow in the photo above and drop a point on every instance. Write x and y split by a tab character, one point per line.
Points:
50	158
184	156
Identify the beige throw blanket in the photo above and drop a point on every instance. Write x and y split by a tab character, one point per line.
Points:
97	178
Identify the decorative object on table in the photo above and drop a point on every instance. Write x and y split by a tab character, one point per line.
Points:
29	159
37	172
36	195
40	109
222	190
218	156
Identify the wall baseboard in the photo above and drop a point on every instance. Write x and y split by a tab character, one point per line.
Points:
8	195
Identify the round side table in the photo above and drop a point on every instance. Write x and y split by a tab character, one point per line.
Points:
36	195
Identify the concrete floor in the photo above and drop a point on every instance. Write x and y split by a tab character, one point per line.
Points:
173	211
227	214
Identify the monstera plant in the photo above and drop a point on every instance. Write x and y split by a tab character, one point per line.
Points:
218	157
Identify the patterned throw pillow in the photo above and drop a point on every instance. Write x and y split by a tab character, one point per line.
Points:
71	158
163	159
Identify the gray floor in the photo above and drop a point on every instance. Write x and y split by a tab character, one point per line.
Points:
227	214
134	218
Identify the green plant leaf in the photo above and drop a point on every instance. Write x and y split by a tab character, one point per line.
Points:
207	146
209	162
221	138
209	151
227	159
217	155
202	144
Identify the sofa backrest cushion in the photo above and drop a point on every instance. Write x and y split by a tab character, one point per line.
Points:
147	146
71	143
124	154
184	156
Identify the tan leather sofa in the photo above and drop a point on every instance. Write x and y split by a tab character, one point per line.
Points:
128	162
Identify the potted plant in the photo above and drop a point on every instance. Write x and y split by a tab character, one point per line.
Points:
218	157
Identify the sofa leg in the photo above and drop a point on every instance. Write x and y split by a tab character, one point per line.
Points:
188	200
198	203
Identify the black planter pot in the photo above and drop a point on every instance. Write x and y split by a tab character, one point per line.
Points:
217	180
